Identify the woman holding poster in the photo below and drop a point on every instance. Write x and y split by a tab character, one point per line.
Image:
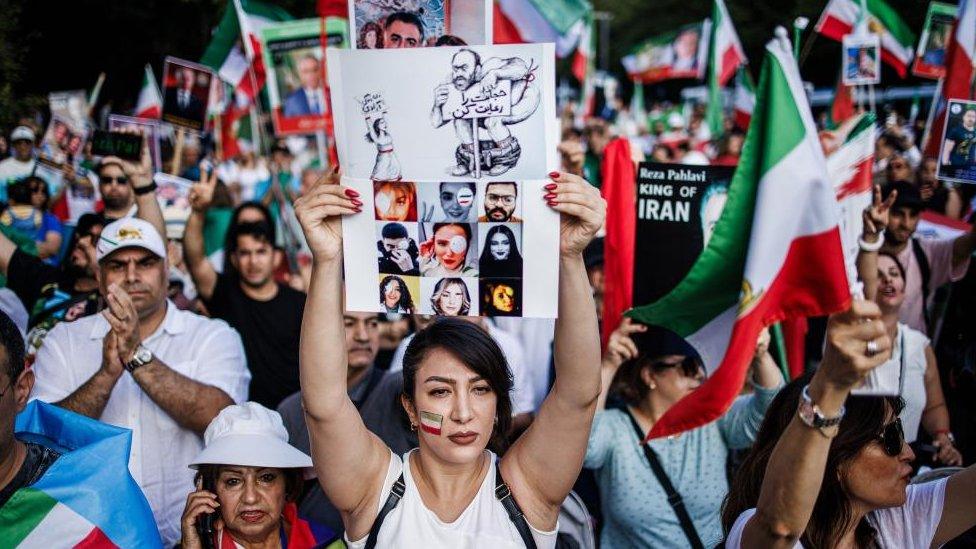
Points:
452	489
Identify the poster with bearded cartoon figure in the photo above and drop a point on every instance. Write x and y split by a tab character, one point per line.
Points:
451	248
447	114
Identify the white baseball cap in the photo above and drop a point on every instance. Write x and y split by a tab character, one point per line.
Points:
249	435
129	232
22	133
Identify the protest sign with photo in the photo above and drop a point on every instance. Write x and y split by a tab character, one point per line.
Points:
71	105
452	248
679	54
677	209
297	88
445	114
146	127
931	54
861	60
64	141
957	151
390	24
186	93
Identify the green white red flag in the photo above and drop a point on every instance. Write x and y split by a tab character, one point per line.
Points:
897	40
150	102
725	58
743	99
775	253
957	84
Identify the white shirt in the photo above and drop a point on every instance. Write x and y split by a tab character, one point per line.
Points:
522	396
536	336
205	350
911	526
12	169
483	524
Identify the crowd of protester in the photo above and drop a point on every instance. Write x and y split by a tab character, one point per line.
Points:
221	341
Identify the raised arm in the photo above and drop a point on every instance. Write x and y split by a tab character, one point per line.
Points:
959	508
544	462
963	247
194	251
620	349
875	219
935	416
141	176
350	461
796	468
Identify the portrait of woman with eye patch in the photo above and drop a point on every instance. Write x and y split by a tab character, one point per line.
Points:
500	254
446	252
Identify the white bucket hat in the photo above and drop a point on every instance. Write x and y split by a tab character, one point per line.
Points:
249	435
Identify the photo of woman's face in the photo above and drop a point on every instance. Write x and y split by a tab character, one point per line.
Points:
450	247
452	299
500	246
393	202
391	294
503	298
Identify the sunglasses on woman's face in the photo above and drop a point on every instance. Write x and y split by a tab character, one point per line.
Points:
892	437
688	366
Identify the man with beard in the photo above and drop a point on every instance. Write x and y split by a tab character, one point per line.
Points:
117	196
501	197
266	313
469	75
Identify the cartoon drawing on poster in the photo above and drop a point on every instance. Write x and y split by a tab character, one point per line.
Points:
492	117
395	262
387	167
485	95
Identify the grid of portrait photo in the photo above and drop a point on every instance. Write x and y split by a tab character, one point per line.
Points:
449	248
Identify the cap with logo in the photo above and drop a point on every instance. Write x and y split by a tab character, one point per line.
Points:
22	133
129	232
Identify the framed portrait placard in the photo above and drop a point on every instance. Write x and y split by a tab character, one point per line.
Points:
861	60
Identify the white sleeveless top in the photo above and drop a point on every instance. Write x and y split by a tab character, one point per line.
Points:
484	524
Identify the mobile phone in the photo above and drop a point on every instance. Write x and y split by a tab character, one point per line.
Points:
123	145
205	529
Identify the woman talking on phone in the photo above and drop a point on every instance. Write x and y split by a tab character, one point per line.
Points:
248	479
451	491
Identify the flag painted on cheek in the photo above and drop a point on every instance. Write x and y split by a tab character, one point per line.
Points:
431	422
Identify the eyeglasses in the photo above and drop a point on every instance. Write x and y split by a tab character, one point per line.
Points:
892	437
107	179
505	199
689	366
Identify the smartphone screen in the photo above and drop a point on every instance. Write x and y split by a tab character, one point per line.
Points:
123	145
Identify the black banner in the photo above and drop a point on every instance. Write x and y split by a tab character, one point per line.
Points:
676	205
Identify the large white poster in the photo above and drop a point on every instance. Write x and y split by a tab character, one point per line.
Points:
452	248
445	114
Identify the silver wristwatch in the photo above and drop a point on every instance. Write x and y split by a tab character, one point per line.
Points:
811	415
142	357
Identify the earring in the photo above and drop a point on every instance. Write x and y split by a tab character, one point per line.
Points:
652	386
413	426
496	420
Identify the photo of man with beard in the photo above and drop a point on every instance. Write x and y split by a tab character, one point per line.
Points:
500	202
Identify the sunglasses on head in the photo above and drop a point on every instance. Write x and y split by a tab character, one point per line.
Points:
106	179
892	437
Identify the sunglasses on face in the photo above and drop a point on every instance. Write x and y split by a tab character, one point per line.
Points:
688	366
107	179
892	437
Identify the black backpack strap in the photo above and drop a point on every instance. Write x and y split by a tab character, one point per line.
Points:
674	498
926	270
396	494
504	495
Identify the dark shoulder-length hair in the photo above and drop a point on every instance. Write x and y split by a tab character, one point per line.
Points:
833	513
406	300
473	347
489	266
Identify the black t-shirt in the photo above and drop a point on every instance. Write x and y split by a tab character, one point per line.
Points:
270	331
48	293
36	463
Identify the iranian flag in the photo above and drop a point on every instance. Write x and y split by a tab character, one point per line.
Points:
583	59
725	58
849	170
960	54
150	103
86	498
235	49
897	40
775	253
743	99
563	22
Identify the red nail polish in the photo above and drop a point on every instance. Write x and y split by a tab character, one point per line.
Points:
551	202
550	187
550	196
554	175
357	202
351	193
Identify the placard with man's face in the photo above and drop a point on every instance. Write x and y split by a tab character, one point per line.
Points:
393	24
186	93
957	154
